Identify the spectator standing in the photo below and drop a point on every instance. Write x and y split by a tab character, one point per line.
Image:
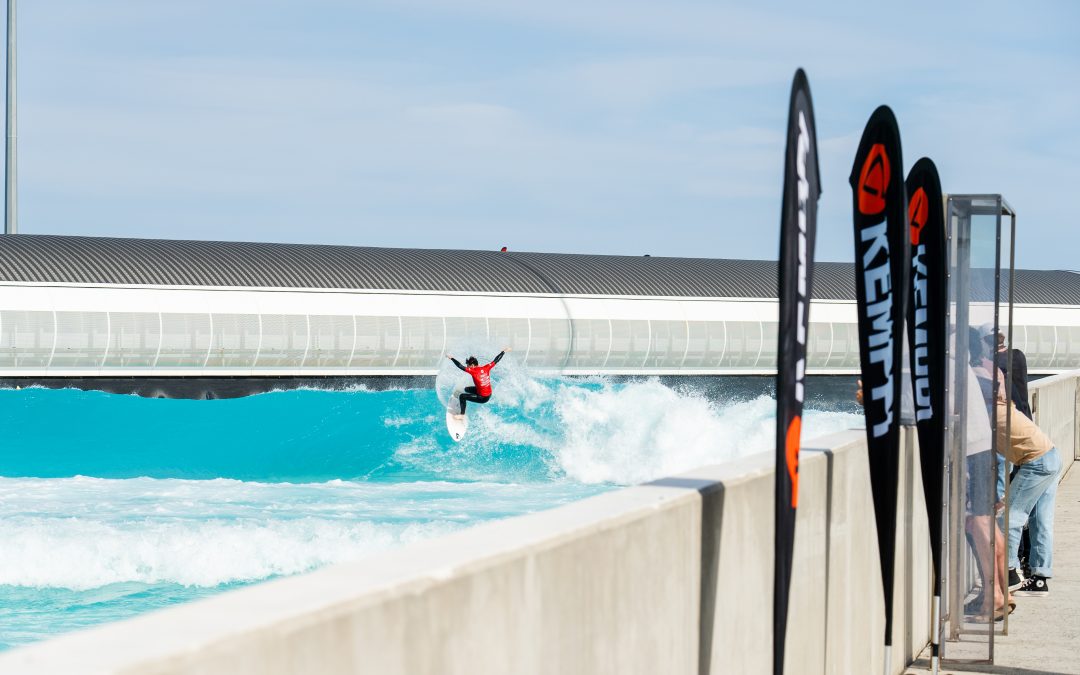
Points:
1031	495
1014	361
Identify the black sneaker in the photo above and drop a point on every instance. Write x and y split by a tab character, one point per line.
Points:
1034	587
1016	580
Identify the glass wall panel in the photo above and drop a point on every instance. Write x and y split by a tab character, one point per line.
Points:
185	340
331	341
844	346
81	339
26	338
753	340
422	341
465	334
547	340
640	342
235	340
134	338
378	339
1046	345
284	341
1020	339
629	343
1061	348
820	343
698	344
669	342
735	347
717	349
592	339
1073	343
513	333
767	357
620	343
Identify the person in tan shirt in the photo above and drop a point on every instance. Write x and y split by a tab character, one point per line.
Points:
1032	492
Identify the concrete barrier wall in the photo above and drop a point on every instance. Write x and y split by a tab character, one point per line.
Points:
837	615
1055	405
671	577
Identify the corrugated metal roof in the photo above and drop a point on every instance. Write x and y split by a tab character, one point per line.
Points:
101	260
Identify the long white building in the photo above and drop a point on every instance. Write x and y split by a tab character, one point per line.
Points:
82	307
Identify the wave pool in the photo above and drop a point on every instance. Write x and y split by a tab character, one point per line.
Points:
112	505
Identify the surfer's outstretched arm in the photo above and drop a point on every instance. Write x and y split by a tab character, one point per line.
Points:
456	362
499	356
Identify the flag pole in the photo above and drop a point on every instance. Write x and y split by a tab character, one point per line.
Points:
11	219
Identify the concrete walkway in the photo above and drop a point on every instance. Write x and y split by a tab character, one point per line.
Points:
1044	633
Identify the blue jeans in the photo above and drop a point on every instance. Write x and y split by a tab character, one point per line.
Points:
1000	478
1032	495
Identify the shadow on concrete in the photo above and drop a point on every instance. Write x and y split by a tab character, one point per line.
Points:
829	482
712	498
699	484
712	511
921	664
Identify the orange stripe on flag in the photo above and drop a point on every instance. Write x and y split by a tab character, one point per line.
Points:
792	452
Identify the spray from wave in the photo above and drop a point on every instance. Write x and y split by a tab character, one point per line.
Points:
594	430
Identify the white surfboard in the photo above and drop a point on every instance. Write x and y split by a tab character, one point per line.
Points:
456	427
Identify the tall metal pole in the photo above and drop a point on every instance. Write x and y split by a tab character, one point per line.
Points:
11	217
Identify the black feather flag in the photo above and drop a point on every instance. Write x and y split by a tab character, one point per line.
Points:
798	226
881	266
926	348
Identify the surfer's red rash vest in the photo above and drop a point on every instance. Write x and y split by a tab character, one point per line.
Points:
481	377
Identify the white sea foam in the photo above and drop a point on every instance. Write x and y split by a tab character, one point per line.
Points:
80	533
79	554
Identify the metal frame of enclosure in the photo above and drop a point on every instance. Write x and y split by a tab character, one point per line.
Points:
981	235
94	307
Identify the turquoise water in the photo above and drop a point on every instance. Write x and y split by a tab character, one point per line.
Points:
115	505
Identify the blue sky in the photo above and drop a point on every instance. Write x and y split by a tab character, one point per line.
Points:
612	126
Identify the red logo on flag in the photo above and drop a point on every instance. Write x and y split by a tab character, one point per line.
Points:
918	213
874	181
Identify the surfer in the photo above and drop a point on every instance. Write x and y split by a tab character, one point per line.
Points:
481	377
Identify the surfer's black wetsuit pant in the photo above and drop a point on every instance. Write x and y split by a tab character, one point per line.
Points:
471	395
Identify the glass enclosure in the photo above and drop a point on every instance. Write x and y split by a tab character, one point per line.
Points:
981	234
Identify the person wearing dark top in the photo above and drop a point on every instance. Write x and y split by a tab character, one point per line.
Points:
1010	360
